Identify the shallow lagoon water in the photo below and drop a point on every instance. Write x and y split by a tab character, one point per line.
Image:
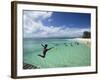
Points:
66	53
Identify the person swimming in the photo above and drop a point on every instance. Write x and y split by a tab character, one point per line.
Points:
65	44
77	43
45	50
71	44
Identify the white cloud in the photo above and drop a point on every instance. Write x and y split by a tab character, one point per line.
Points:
38	14
34	27
33	20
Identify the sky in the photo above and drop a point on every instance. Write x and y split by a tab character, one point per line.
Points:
55	24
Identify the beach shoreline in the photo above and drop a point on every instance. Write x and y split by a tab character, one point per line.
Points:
86	41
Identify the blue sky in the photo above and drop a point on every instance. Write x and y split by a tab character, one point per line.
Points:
77	20
55	24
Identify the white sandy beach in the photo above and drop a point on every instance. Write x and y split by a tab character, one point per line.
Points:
84	41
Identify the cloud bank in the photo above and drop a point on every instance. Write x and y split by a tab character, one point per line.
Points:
34	27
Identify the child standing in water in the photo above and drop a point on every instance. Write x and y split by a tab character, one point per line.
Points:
44	50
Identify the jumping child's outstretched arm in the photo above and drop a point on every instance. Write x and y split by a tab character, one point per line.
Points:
50	48
42	45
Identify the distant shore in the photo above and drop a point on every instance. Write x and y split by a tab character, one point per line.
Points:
86	41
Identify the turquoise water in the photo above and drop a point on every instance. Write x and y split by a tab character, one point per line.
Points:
66	53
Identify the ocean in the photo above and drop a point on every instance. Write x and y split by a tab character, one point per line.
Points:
66	52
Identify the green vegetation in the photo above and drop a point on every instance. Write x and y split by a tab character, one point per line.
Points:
86	34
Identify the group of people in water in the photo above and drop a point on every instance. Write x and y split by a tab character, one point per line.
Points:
45	49
68	44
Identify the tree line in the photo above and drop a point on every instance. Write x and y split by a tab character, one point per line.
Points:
86	34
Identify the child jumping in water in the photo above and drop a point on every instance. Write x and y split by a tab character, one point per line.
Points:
44	50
